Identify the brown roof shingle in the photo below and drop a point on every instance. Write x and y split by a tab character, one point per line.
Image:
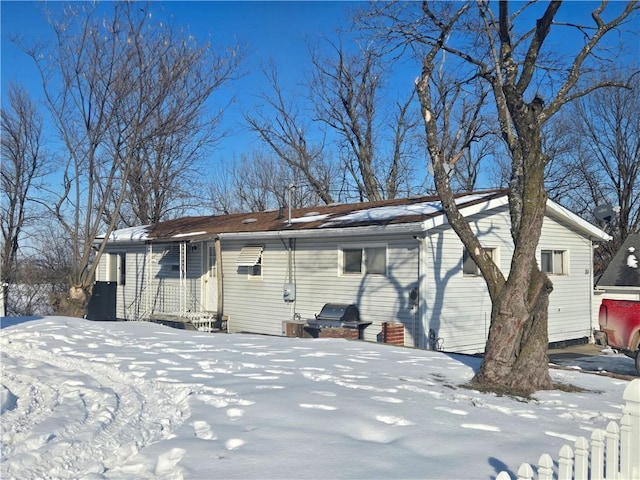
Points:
318	217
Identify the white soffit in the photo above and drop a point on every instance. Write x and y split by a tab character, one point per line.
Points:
577	222
249	256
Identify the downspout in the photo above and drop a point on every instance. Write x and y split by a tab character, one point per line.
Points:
149	283
591	288
183	278
292	305
420	341
219	280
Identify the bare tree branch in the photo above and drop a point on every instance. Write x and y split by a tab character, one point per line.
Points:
124	94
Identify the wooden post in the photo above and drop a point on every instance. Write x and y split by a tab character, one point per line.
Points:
219	279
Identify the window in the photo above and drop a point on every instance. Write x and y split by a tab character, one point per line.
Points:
250	261
363	261
554	262
116	267
168	261
469	267
256	270
375	261
211	261
352	261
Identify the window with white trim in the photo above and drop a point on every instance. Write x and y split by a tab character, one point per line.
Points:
554	262
250	261
359	261
469	266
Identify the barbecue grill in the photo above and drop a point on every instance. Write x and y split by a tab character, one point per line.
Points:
336	315
337	319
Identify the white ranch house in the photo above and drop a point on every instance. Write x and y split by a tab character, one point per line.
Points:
396	260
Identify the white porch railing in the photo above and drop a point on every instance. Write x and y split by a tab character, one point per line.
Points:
612	454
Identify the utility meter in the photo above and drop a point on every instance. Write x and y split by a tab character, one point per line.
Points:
289	292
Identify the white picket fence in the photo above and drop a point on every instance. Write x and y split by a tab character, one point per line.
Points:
613	454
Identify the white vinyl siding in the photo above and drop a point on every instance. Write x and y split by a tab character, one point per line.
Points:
569	303
153	285
455	307
460	308
258	307
458	305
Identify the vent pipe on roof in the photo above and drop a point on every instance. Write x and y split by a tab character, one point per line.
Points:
292	186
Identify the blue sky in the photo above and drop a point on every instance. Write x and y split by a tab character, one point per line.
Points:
277	30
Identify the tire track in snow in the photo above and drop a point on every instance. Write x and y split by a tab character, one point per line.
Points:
77	430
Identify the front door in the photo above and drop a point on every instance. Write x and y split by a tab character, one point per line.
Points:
210	282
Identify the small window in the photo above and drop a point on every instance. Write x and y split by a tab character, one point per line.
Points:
363	261
352	261
469	267
554	262
211	261
250	261
255	271
376	260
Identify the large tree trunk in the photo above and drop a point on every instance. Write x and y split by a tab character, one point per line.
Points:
515	60
516	353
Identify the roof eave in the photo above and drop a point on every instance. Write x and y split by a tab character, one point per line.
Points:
397	228
589	230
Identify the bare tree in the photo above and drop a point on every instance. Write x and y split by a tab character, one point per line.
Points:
509	52
287	134
122	92
259	182
221	193
456	104
165	176
23	168
373	146
604	151
345	91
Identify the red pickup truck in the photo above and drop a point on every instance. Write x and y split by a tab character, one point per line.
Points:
620	327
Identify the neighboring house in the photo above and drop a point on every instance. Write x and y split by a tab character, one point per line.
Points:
396	260
621	279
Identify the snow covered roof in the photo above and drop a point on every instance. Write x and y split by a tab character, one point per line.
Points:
382	213
130	234
419	213
624	269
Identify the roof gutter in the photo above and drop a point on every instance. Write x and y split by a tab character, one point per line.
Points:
400	228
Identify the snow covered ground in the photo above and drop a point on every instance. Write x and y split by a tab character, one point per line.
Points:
93	400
